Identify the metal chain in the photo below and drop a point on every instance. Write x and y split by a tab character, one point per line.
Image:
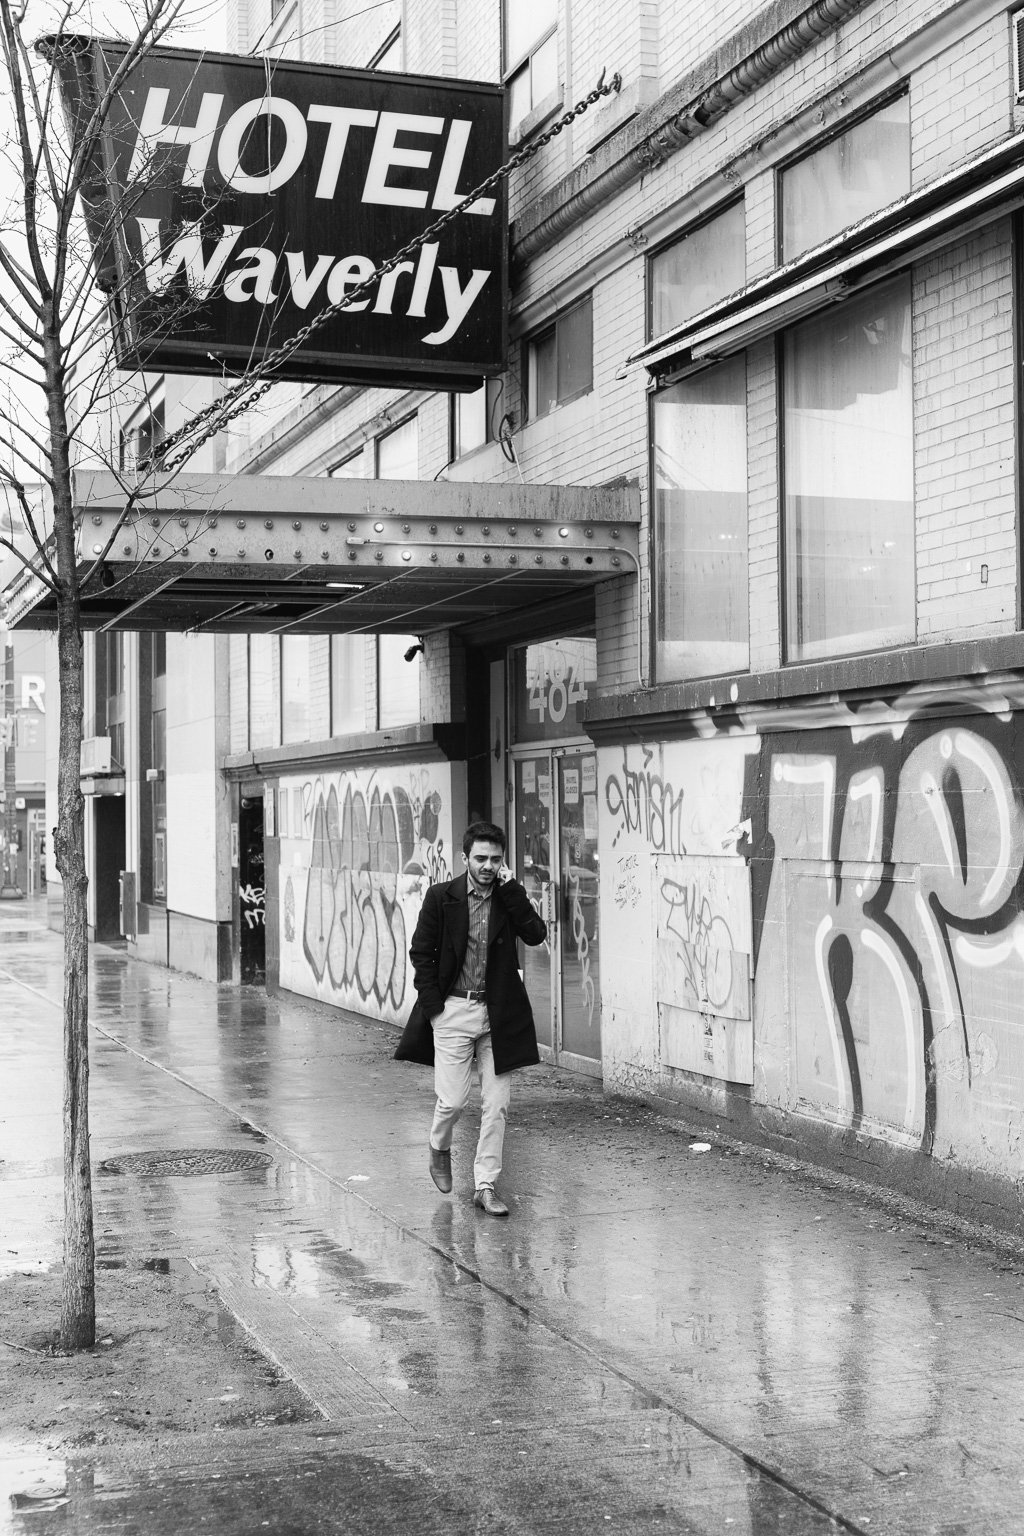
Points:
254	385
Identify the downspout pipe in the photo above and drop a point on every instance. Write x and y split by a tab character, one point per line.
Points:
740	81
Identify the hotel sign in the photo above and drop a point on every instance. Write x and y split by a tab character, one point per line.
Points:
237	197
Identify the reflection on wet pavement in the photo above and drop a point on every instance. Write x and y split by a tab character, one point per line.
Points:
654	1341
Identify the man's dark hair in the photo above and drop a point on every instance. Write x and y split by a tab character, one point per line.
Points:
483	832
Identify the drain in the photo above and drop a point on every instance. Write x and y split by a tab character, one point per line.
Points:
190	1160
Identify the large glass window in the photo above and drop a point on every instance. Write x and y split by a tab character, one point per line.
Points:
348	684
397	452
153	767
141	438
700	481
110	694
475	417
531	55
560	360
295	687
849	477
398	681
864	168
698	270
352	468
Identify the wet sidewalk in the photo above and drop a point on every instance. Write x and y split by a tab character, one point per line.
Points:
656	1340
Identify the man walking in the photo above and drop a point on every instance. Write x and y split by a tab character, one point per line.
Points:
472	1002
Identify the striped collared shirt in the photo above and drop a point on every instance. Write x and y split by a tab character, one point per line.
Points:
474	967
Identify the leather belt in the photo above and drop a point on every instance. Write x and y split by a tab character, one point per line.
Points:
479	996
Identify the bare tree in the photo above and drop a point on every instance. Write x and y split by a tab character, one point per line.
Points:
58	389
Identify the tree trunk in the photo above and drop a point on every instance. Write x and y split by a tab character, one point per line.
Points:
78	1298
78	1295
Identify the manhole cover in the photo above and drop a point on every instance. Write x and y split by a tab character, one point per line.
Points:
191	1160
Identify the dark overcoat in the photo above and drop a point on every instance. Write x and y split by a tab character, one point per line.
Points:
438	950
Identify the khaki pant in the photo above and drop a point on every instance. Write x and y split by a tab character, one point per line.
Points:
462	1033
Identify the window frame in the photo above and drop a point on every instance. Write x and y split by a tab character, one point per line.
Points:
391	432
512	68
878	104
785	598
490	426
350	458
679	235
541	333
151	412
654	606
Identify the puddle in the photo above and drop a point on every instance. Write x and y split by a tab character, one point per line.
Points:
23	1264
279	1495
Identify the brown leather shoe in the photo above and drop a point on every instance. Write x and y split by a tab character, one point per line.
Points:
488	1201
441	1170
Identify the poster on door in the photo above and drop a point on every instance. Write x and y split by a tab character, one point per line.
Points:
571	786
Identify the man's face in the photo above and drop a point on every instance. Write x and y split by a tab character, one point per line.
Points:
483	861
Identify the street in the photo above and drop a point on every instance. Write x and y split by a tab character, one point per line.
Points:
658	1339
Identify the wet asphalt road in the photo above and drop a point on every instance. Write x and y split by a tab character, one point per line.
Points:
656	1340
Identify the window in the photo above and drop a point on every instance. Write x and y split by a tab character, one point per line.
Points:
849	477
531	56
153	767
560	360
398	681
475	417
705	265
352	468
397	452
294	688
348	684
700	483
141	437
110	694
864	168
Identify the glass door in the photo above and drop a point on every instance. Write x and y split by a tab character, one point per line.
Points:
578	882
533	870
557	862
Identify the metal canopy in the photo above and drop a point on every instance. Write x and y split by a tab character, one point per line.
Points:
272	554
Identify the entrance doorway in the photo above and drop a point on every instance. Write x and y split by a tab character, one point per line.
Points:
109	823
557	861
251	890
553	836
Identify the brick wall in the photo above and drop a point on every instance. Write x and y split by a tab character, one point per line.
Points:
961	100
965	432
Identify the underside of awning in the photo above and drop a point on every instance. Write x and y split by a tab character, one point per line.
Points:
275	555
963	200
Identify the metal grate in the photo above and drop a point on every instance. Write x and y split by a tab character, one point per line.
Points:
190	1160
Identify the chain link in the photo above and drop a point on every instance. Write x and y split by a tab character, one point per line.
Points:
253	385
